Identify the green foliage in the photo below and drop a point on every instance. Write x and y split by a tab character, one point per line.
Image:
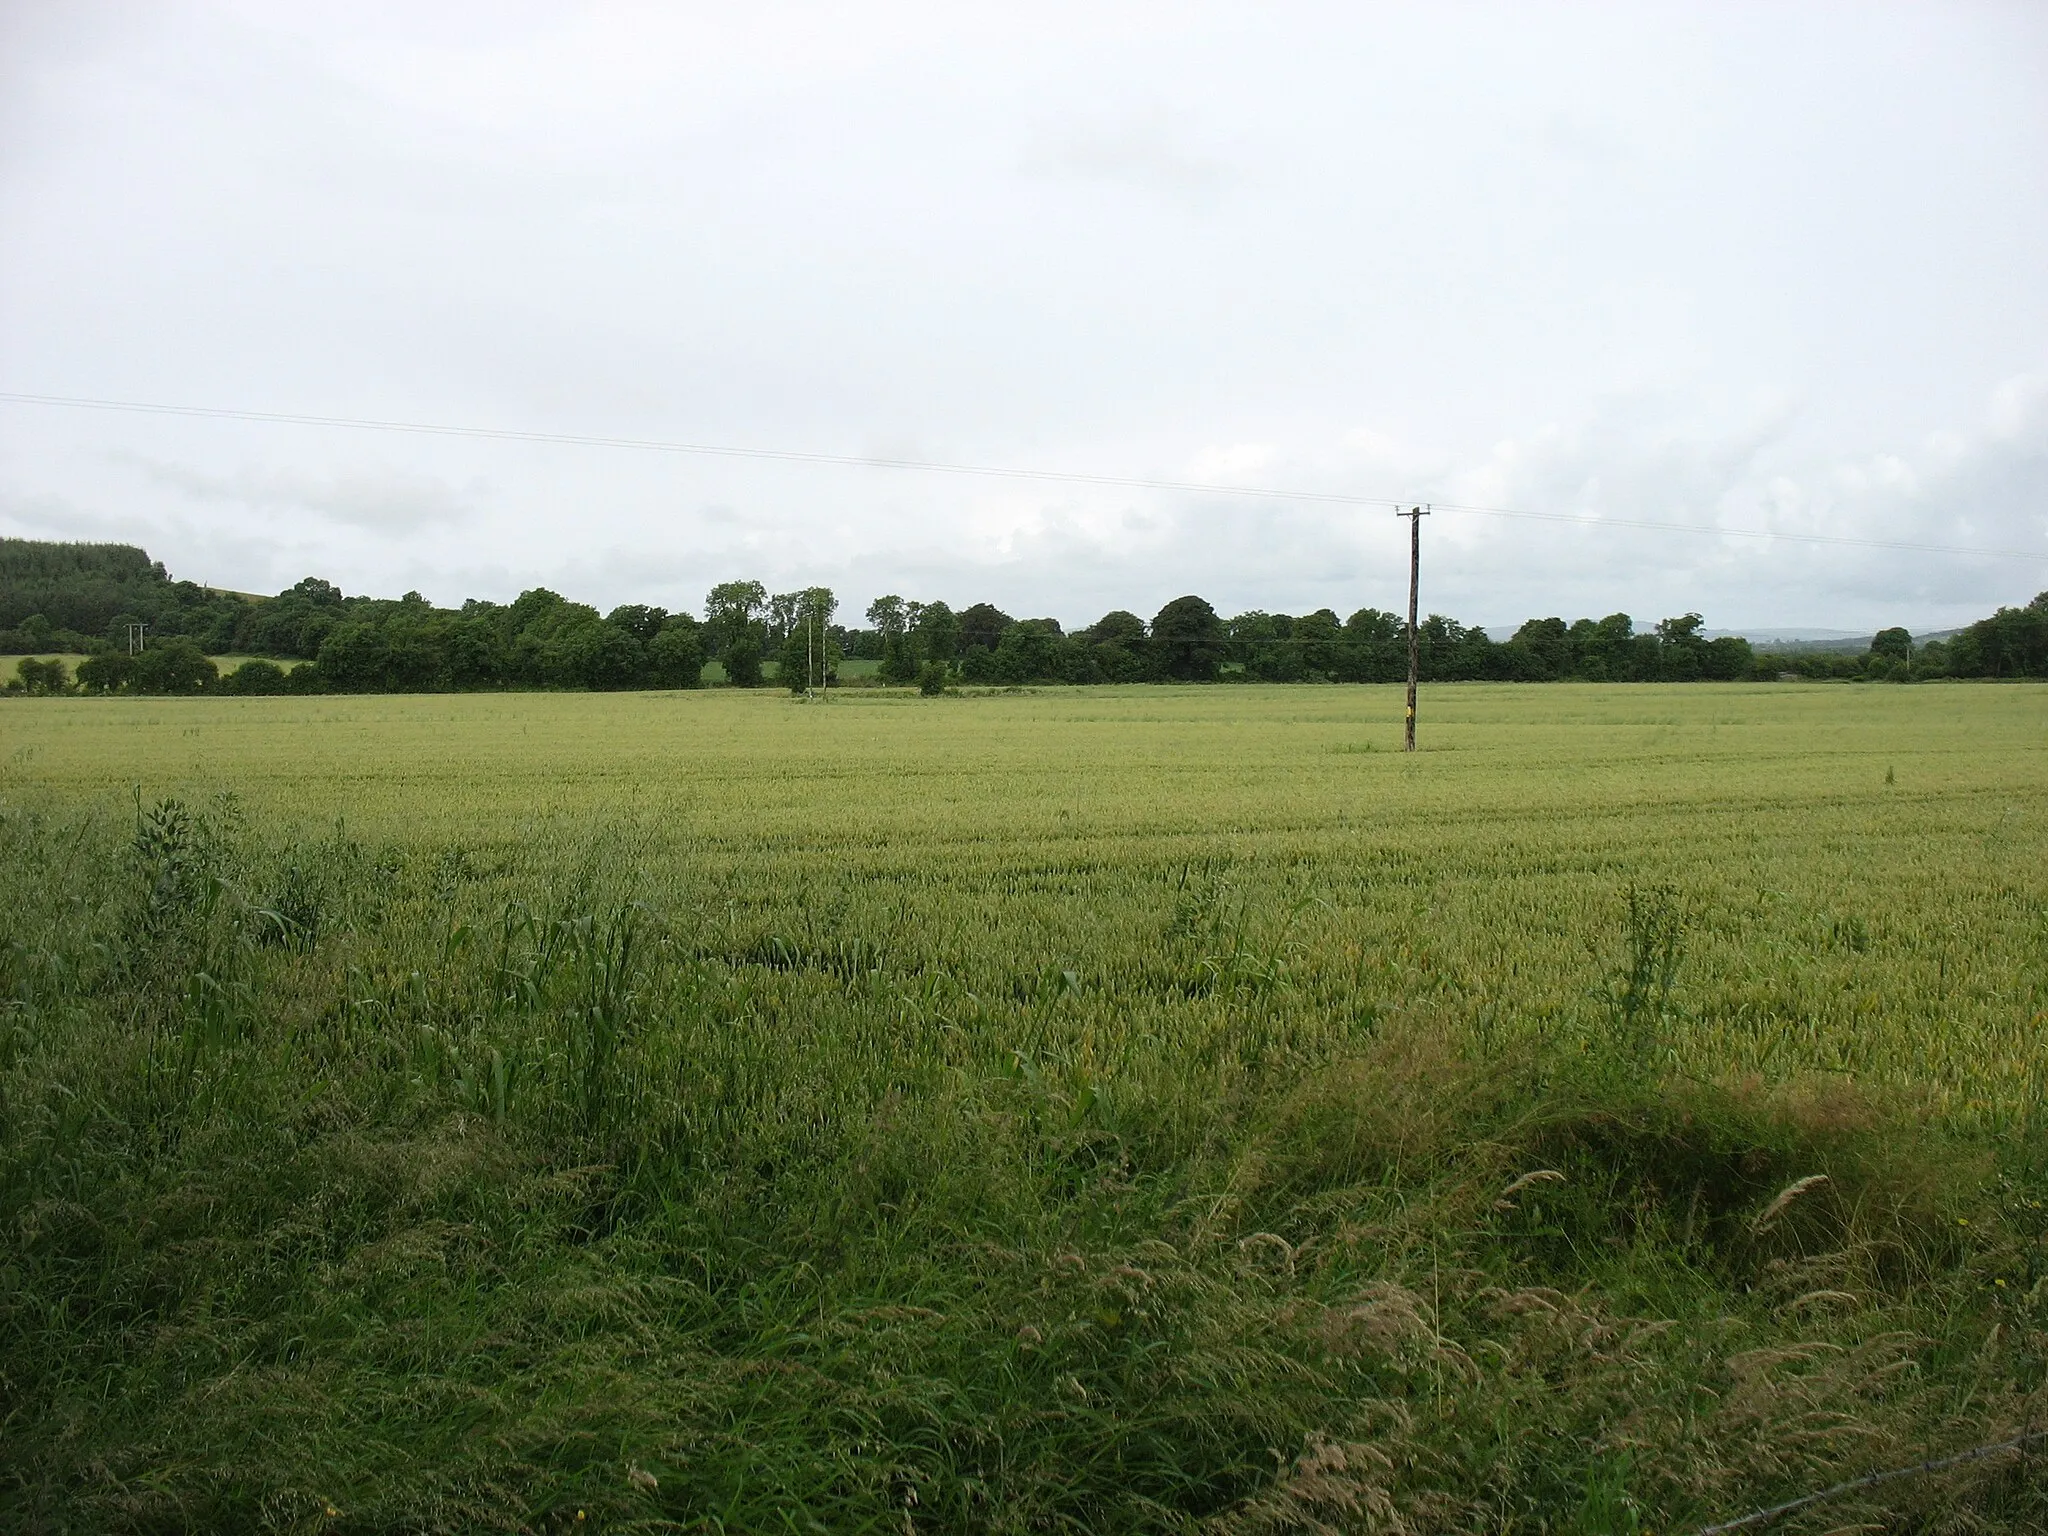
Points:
731	610
1117	646
255	676
105	672
298	620
899	659
2013	642
810	655
603	958
934	632
887	615
675	656
741	657
172	666
1639	993
982	626
77	597
906	636
639	621
44	678
1728	659
1029	649
1187	641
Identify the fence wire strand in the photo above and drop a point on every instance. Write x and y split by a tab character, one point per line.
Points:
1761	1517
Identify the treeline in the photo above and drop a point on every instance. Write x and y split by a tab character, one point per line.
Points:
87	598
1188	641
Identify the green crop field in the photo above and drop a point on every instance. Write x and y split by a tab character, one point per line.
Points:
1162	1109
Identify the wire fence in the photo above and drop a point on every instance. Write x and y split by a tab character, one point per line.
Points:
1758	1518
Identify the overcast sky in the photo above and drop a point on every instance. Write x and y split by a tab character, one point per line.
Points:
1781	266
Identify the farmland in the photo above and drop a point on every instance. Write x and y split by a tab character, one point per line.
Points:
1126	1109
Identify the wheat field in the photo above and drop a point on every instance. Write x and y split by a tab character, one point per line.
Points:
1120	1109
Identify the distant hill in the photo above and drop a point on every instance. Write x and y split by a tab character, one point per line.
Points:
1793	634
1788	639
1821	642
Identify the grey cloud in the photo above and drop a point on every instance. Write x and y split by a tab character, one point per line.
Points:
385	501
1152	152
1574	136
1983	488
46	515
214	556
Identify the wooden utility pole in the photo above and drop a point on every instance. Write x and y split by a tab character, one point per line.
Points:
1415	515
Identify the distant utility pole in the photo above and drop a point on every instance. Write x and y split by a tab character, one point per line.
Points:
135	634
1415	515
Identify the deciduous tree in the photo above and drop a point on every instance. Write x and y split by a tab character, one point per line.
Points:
1187	641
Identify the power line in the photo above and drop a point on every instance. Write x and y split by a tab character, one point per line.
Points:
987	471
716	450
1743	533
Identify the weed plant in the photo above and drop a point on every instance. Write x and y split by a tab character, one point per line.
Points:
1026	1113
